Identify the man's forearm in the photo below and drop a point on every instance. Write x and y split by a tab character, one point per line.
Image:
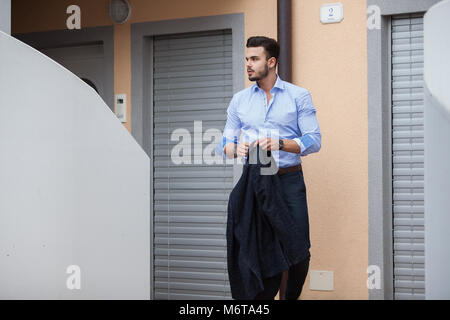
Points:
290	146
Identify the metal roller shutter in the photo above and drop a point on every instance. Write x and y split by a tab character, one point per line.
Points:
408	156
192	81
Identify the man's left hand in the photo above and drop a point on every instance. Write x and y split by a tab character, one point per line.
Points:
268	144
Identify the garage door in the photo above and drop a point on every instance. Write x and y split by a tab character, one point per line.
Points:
408	156
192	81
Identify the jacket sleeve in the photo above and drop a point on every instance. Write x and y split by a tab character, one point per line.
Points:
268	193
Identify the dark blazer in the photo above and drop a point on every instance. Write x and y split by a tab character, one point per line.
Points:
262	237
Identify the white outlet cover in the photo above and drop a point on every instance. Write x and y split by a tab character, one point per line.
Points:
321	280
332	13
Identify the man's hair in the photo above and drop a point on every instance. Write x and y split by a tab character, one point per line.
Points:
271	46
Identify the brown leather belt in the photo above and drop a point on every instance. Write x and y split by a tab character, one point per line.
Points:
282	171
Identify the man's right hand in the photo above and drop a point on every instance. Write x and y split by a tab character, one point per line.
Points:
242	149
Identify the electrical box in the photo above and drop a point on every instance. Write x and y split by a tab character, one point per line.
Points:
321	280
120	107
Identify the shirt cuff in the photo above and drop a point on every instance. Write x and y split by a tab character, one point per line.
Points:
300	144
226	141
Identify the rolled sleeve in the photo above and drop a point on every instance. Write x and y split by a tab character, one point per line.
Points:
232	127
310	140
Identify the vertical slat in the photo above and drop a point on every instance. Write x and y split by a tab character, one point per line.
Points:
407	156
192	78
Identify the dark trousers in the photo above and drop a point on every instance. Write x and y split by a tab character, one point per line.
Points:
294	193
297	275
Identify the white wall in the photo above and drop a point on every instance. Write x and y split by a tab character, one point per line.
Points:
437	151
5	16
74	186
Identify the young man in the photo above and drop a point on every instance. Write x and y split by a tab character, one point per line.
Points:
287	113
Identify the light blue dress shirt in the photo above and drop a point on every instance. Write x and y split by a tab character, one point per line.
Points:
290	114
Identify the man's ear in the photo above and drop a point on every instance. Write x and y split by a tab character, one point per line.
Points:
272	62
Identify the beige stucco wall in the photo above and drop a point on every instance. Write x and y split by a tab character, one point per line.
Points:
329	60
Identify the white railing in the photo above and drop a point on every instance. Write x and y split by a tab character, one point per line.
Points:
437	151
74	187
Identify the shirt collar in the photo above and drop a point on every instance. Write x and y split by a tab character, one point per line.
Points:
278	84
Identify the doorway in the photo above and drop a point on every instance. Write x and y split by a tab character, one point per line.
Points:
85	61
88	53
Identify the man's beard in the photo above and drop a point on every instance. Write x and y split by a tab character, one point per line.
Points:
261	76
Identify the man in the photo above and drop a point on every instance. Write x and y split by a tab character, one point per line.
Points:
279	117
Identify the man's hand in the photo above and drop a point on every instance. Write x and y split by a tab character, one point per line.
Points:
242	149
268	144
